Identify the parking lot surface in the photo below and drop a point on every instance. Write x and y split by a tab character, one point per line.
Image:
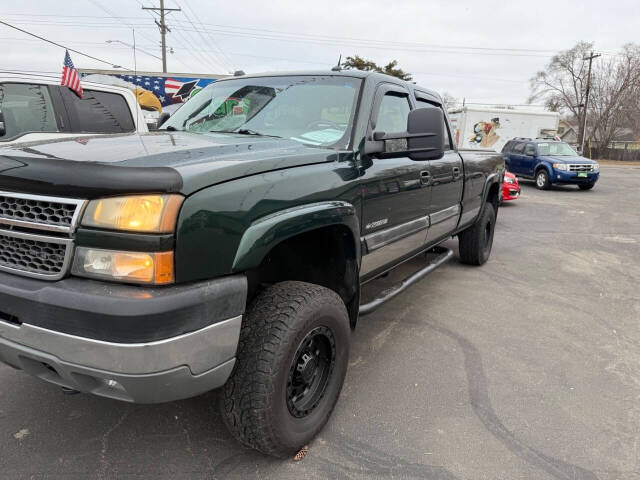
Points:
525	368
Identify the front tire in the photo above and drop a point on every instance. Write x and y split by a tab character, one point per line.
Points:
474	243
291	362
542	180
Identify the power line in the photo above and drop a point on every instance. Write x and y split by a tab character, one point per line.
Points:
157	46
253	33
278	32
115	17
60	45
198	56
210	58
162	25
213	40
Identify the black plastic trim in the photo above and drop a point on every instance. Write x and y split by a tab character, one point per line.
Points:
132	242
71	179
122	313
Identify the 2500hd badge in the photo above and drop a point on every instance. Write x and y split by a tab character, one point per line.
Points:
227	250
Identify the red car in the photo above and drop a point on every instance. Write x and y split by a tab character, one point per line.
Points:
510	187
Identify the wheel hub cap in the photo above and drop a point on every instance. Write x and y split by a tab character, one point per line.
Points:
310	371
308	367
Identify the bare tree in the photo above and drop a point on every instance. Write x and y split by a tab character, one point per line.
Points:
614	102
615	95
562	84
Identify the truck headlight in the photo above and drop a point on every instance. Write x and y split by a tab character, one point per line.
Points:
596	167
561	166
135	213
509	180
129	267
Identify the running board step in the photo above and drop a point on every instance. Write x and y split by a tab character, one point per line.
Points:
444	255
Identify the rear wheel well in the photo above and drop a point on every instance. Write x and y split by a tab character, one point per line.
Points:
493	195
325	256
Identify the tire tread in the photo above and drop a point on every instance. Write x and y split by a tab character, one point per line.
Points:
248	394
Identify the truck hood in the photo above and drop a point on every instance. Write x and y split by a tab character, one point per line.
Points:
552	159
89	167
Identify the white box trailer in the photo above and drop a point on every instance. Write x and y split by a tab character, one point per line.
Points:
481	128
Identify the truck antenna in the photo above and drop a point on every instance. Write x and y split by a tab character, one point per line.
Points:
338	67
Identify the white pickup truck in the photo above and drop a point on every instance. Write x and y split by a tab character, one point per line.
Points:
37	107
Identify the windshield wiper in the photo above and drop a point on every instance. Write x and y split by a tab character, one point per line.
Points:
245	131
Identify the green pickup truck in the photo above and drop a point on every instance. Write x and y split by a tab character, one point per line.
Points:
228	249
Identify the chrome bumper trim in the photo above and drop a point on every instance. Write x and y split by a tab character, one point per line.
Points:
200	351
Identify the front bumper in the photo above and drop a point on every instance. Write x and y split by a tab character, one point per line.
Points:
572	177
510	191
150	370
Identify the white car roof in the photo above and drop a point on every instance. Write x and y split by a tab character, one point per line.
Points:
23	77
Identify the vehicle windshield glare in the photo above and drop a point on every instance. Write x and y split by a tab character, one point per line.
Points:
556	149
314	110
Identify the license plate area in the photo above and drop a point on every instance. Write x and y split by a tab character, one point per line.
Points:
582	174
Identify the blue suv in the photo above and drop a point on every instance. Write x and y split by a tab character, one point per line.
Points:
549	162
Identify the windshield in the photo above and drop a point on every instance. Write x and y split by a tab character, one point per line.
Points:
314	110
556	149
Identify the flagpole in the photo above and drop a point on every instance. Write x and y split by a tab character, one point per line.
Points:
135	65
135	68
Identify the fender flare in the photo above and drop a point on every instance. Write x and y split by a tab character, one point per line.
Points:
492	178
267	232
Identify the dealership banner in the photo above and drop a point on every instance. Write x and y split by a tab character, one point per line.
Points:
168	90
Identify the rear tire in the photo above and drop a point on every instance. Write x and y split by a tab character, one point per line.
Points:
474	243
542	180
586	186
291	362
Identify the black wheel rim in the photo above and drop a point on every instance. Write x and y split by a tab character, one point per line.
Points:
310	371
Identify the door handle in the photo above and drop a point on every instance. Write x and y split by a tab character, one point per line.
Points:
425	177
456	172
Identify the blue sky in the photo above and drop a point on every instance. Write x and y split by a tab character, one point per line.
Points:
255	36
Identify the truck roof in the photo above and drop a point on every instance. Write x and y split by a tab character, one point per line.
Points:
340	73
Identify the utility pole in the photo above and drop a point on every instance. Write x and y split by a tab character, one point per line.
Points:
583	127
162	25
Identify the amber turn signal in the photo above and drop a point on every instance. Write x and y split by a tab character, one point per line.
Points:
135	213
154	268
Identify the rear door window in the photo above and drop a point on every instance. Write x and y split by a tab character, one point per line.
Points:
507	146
25	108
447	134
97	112
519	148
530	150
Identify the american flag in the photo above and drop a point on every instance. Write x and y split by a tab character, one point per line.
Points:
70	77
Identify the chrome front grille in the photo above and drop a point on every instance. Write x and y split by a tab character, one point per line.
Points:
34	255
581	167
39	212
36	234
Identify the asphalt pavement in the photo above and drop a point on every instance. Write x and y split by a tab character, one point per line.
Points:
525	368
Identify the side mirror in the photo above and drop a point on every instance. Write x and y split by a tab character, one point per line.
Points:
423	140
425	137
